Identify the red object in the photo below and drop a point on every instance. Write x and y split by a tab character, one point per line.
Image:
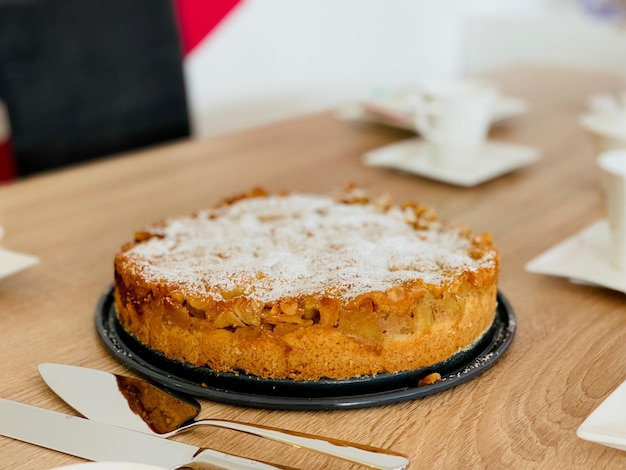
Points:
197	18
7	162
8	168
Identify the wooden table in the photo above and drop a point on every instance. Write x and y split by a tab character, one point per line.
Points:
569	352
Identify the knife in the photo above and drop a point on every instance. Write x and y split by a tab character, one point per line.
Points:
96	441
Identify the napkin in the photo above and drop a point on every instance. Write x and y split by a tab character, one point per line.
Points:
606	425
12	262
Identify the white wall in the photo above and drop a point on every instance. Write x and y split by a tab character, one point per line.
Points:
272	59
556	32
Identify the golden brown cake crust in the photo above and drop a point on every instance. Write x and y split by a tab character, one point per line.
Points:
306	287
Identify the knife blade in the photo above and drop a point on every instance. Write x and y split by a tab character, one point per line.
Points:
96	441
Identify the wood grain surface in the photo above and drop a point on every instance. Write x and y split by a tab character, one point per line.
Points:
569	352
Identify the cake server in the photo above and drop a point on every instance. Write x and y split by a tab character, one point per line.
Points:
125	401
96	441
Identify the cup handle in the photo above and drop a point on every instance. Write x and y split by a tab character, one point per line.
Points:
424	111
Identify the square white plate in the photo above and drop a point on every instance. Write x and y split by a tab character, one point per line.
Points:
413	156
582	257
12	262
607	423
606	124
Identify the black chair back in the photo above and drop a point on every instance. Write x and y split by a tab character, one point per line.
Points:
87	78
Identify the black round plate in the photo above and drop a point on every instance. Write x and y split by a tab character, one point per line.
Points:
326	394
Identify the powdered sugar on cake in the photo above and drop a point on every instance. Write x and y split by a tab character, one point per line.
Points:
280	246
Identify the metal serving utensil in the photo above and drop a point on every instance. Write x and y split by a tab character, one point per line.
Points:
136	404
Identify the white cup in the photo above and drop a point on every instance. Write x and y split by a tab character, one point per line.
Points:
454	118
613	169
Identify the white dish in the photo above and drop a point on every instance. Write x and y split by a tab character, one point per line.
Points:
413	156
607	102
12	262
606	124
109	466
583	257
606	425
394	110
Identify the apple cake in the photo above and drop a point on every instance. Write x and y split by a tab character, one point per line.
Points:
304	286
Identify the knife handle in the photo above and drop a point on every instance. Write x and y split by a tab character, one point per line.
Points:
366	455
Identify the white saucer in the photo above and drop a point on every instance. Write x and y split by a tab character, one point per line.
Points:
607	423
394	110
109	466
584	257
413	156
12	262
610	124
607	102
